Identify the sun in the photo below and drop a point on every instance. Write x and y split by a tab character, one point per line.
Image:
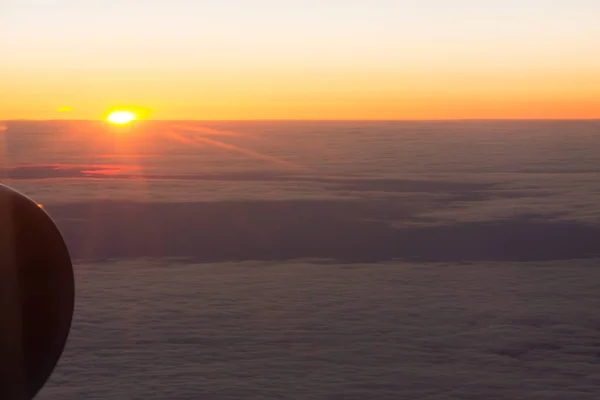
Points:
121	117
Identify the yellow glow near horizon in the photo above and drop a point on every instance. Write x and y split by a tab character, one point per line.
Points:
381	59
121	117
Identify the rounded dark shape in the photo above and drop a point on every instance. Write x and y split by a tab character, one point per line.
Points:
37	294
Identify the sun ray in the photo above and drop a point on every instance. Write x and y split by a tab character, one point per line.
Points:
200	139
215	132
183	139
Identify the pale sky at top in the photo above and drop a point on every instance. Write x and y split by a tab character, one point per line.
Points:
226	58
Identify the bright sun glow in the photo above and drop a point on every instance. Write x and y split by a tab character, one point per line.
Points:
121	117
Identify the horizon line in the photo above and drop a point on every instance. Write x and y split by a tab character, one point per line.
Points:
306	120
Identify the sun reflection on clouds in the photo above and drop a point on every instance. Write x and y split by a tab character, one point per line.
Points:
47	171
116	155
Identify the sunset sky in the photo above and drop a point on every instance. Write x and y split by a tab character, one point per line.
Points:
310	59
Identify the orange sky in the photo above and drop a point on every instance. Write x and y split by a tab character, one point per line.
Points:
342	60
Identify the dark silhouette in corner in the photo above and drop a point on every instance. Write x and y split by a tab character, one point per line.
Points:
36	296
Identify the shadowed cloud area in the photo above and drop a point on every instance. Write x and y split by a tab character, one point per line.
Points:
343	231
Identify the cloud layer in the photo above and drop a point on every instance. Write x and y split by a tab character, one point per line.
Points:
158	330
502	218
